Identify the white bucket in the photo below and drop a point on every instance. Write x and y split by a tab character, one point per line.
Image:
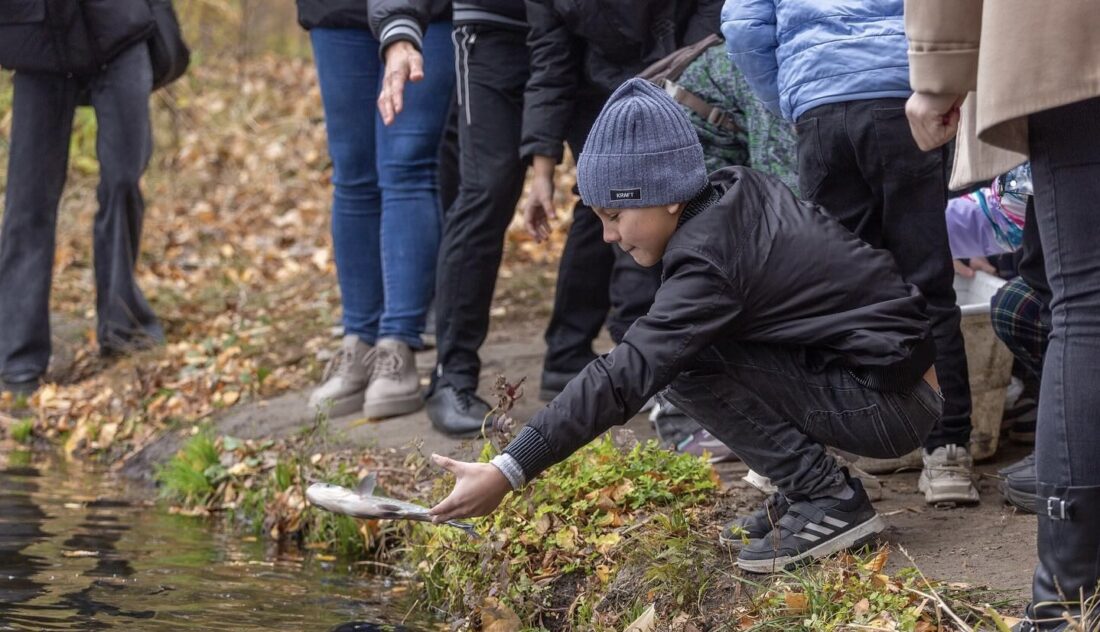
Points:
989	360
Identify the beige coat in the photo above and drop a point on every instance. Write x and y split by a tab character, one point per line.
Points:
1013	58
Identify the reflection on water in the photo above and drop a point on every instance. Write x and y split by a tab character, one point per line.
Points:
75	555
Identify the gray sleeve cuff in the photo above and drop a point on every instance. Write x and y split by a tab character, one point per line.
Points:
531	451
510	468
401	28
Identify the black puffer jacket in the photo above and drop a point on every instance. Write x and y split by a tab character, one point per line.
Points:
755	265
586	49
69	36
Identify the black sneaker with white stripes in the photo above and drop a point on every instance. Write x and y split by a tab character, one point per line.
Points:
755	525
813	529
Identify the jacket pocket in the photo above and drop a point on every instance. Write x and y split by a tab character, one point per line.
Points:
899	151
812	169
22	11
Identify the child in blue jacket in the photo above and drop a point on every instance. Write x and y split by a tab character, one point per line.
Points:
839	70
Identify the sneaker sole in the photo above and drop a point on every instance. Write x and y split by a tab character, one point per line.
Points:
393	407
340	407
733	543
854	537
958	494
1023	501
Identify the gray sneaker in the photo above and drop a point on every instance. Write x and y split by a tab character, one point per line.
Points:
394	387
345	379
946	477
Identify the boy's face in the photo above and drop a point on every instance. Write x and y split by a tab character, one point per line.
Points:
642	232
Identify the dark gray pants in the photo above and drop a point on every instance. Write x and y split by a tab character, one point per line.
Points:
860	162
493	70
777	415
42	117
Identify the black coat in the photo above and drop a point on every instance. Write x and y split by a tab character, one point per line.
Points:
761	266
389	20
70	36
586	49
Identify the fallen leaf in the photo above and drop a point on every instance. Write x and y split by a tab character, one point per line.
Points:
498	617
80	554
647	622
796	602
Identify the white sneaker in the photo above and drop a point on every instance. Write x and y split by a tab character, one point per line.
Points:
345	379
394	387
946	476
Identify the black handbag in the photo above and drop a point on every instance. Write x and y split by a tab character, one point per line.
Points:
167	50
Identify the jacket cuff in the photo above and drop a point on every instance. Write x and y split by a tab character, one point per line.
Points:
944	71
398	28
531	451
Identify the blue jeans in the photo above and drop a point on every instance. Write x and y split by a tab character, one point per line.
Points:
385	207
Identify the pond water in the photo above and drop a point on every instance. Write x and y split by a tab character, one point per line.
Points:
77	553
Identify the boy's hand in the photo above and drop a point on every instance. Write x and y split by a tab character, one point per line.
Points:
403	63
539	208
976	264
479	489
933	118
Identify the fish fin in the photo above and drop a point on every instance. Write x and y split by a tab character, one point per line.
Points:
367	484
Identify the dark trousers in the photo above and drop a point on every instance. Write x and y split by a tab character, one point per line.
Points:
598	283
1065	162
42	118
492	72
859	161
777	415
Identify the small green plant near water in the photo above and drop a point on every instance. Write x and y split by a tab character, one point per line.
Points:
571	523
191	476
22	431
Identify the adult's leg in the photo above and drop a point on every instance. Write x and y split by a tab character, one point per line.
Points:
42	117
124	144
493	72
1065	159
348	71
913	191
408	169
843	151
632	290
581	297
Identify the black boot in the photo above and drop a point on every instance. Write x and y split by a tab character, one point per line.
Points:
1069	556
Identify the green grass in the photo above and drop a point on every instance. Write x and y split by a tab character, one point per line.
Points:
23	431
191	476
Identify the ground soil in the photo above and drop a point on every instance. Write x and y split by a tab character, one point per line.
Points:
988	544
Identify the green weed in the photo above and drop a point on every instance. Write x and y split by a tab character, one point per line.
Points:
23	431
191	476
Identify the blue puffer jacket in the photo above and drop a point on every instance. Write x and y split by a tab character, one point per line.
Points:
799	54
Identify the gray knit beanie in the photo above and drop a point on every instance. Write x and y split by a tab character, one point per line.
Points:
642	151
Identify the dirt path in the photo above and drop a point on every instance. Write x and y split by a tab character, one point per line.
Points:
987	545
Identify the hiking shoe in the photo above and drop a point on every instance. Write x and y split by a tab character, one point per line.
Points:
755	525
703	443
345	379
394	387
811	530
456	412
946	478
1019	484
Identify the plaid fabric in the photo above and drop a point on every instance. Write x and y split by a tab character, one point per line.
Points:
1015	314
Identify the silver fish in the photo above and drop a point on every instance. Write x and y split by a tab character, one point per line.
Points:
362	502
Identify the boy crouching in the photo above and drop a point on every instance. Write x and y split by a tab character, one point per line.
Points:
777	329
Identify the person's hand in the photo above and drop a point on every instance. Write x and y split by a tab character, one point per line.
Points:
933	118
539	208
976	264
479	489
403	63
